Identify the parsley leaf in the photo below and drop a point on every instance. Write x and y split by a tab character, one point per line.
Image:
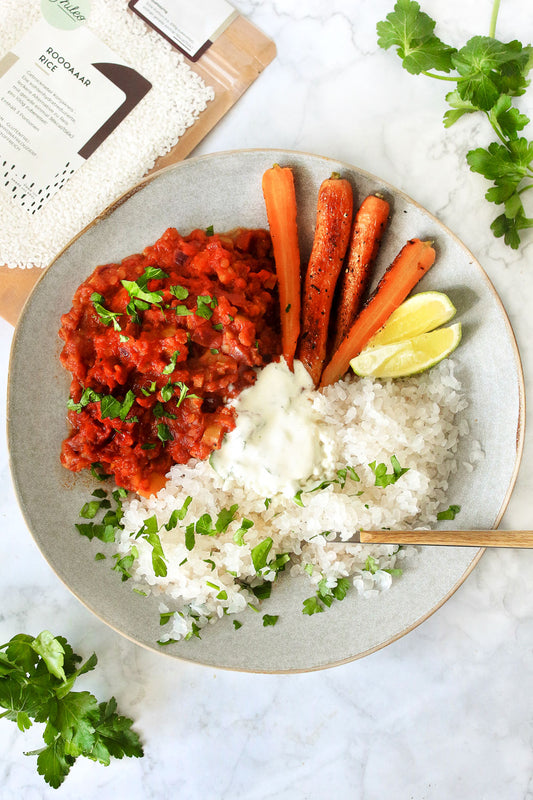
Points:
205	304
111	408
171	366
107	317
411	32
88	396
488	74
238	536
382	477
36	680
270	619
312	606
179	291
164	433
450	513
260	553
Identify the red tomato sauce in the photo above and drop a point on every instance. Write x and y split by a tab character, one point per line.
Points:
164	340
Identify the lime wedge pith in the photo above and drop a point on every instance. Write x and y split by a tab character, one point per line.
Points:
401	359
420	313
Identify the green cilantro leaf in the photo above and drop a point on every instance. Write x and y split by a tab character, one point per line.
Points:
269	619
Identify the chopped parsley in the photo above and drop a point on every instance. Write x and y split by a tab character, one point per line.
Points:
312	606
111	408
450	513
178	514
180	292
164	433
263	591
88	396
205	304
238	536
384	478
325	596
269	619
96	466
260	553
107	317
171	366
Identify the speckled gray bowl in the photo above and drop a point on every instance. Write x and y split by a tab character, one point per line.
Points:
224	190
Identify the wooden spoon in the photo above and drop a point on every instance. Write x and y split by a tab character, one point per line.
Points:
494	538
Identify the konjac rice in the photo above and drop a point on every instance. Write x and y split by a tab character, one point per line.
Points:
363	423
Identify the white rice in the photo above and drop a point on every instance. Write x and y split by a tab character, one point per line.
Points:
418	420
172	105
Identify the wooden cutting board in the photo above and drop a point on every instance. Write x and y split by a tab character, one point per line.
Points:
229	66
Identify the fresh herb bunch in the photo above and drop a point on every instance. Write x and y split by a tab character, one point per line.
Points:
36	680
489	74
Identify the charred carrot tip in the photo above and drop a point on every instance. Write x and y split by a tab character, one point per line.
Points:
406	270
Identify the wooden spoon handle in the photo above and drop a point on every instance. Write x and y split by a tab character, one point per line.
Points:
494	538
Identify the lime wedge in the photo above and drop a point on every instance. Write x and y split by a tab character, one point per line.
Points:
400	359
418	314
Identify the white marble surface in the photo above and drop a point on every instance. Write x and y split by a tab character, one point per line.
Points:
445	712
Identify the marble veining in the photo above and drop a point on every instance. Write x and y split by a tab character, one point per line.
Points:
445	712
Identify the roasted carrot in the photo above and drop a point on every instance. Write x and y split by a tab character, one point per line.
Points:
280	202
332	234
409	266
370	223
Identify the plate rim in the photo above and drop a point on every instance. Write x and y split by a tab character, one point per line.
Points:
520	432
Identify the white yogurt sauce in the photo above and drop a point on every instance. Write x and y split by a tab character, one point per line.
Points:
276	445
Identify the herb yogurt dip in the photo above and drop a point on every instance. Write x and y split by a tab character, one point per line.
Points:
276	445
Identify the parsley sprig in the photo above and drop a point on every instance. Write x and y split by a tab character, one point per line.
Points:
487	74
36	679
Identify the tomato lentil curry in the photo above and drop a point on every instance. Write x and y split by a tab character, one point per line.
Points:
158	344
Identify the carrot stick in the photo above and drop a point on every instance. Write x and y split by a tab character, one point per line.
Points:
409	266
280	202
332	234
370	223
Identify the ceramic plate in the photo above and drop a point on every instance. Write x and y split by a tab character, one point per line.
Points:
224	190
